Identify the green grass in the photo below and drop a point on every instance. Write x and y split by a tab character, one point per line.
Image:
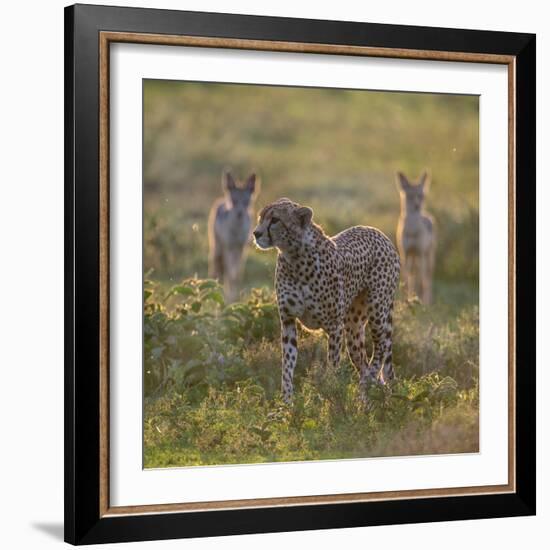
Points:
212	371
212	385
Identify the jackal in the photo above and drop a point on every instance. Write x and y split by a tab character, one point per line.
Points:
229	228
416	237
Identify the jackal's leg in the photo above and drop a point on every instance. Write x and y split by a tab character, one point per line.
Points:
232	270
215	263
430	272
424	277
411	275
419	277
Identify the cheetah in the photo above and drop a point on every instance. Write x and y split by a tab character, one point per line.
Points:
416	237
339	284
229	228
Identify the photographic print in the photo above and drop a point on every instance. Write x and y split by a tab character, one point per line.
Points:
296	251
311	273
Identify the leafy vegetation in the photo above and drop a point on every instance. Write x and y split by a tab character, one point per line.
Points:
212	385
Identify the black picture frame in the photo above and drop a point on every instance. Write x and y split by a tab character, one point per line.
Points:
84	523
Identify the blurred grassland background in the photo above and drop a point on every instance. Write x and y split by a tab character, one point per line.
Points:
334	150
212	370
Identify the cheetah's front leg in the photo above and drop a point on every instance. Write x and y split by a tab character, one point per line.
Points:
335	345
290	354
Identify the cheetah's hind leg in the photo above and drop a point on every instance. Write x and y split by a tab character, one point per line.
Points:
356	318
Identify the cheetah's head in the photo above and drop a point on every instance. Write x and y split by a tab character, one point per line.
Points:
282	224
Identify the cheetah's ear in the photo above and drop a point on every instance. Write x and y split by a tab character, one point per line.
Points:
228	183
304	215
424	180
251	184
402	182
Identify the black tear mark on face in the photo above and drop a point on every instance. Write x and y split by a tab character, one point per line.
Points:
272	221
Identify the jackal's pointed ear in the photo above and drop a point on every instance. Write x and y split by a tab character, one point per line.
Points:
304	215
402	181
424	180
252	185
228	183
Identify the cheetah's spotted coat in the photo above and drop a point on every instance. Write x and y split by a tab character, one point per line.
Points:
340	284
